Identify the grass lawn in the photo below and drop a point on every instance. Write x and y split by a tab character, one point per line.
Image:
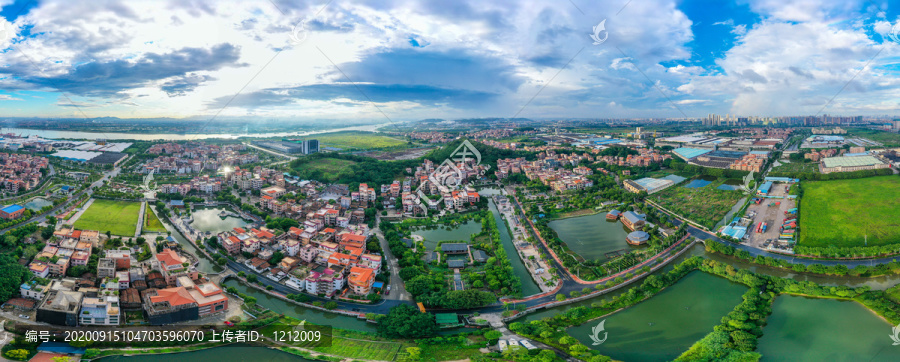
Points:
331	168
152	223
117	217
843	212
357	140
705	205
346	343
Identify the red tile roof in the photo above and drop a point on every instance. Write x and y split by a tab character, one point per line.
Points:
175	296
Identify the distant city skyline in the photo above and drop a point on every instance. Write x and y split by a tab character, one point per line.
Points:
413	60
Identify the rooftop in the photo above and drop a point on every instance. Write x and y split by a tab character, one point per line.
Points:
850	161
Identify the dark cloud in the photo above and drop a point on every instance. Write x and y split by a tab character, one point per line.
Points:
182	85
453	69
754	77
378	93
102	79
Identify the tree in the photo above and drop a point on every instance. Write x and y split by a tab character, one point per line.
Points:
331	305
415	353
405	321
560	297
492	336
17	354
252	278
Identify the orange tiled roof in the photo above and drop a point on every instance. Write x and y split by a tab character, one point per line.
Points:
169	257
175	296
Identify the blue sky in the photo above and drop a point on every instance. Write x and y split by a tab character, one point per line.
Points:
414	59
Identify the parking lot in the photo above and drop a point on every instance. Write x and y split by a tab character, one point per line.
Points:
773	216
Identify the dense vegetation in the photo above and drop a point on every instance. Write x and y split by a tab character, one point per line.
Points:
375	172
405	321
816	176
429	285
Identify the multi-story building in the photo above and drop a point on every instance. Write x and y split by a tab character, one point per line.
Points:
102	310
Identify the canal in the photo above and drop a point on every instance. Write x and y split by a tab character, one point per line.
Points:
230	353
296	311
529	287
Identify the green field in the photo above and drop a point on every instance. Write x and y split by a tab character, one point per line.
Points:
889	139
797	167
328	169
705	205
356	140
844	212
152	223
117	217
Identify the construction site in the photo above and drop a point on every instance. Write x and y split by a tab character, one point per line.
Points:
773	216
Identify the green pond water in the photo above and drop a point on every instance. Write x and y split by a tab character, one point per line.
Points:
462	232
809	329
666	325
592	236
37	204
207	219
231	353
296	311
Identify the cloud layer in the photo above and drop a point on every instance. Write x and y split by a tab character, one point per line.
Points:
408	60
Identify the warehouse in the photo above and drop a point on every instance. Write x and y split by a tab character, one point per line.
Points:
848	164
647	184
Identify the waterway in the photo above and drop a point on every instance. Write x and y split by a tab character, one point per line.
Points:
51	134
663	327
592	236
529	287
230	353
296	311
877	283
808	329
205	265
461	233
207	219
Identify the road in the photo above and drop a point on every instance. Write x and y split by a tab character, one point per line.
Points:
398	290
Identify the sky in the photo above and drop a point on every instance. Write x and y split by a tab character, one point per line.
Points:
401	60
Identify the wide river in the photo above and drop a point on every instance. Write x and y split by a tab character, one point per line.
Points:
51	134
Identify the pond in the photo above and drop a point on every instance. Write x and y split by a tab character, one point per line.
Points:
592	236
37	203
809	329
296	311
666	325
207	219
434	234
205	265
698	183
235	352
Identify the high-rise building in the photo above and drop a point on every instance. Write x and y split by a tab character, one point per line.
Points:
310	146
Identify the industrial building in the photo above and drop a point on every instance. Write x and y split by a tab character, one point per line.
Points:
305	147
648	185
852	163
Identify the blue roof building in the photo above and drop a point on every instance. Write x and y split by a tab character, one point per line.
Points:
12	208
765	188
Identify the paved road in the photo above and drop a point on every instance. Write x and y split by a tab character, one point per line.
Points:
398	289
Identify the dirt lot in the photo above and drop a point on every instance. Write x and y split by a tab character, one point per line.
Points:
771	215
